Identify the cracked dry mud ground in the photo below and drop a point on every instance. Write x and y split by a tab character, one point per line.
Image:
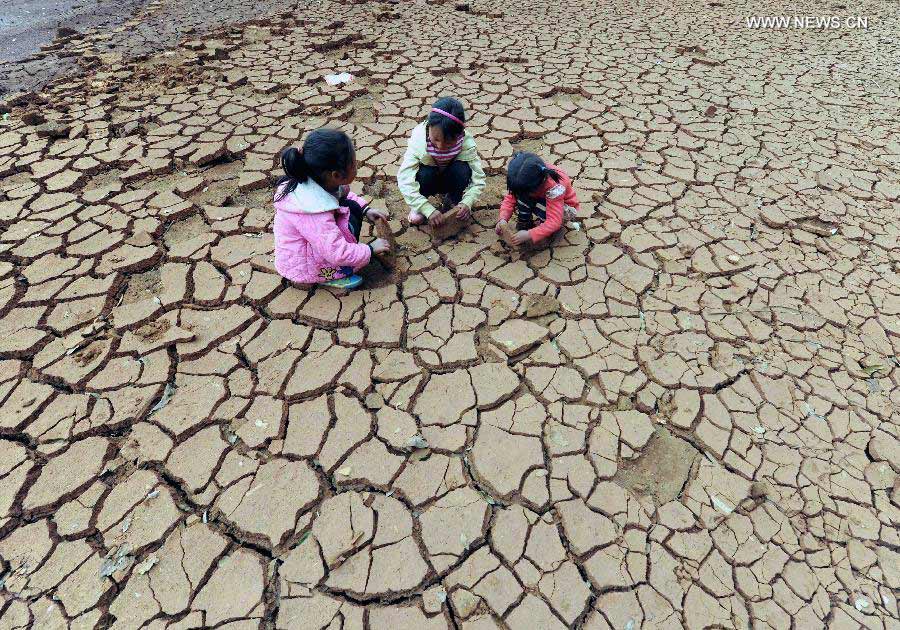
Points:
99	32
685	414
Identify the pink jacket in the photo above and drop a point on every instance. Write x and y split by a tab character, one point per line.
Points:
313	242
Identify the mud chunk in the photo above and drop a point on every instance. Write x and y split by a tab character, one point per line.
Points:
449	227
383	230
517	335
539	305
507	232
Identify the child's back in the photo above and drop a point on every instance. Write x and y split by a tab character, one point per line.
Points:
317	219
313	241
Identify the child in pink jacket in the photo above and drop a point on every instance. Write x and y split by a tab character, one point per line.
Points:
542	197
317	218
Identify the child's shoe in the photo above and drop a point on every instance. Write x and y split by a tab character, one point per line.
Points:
347	284
416	218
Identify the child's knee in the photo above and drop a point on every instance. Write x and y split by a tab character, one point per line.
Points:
426	173
354	207
427	178
460	172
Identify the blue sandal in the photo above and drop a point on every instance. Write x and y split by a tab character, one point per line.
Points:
348	283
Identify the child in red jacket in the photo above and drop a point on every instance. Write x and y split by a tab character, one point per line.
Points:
538	193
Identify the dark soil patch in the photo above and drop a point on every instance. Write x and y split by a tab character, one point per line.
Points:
531	145
185	230
663	468
142	286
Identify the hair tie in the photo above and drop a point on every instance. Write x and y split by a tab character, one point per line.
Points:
448	115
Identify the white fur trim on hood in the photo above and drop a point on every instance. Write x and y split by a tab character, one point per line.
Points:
310	198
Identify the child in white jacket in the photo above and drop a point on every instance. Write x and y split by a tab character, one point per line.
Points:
441	159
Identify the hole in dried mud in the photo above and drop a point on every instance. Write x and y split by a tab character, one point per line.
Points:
532	145
142	286
184	230
377	188
88	355
567	98
377	276
222	168
12	181
105	178
216	194
127	128
386	16
153	330
261	198
362	110
663	468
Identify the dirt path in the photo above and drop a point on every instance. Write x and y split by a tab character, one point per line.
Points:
684	414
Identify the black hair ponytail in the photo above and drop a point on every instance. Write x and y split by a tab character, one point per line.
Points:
323	151
294	171
526	172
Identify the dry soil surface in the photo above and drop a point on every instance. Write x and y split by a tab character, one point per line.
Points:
684	414
41	40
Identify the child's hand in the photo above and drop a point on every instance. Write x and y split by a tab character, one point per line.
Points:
373	213
463	211
436	218
521	237
380	246
499	228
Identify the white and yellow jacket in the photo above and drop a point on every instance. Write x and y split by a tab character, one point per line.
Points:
417	155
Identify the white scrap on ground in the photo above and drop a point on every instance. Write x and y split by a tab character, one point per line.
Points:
337	79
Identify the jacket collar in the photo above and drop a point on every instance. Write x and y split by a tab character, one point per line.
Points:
310	198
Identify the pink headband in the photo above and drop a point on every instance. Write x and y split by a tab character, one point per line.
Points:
448	115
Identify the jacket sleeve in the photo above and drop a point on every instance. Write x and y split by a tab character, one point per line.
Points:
476	186
363	204
329	243
507	206
352	196
409	187
553	221
572	196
